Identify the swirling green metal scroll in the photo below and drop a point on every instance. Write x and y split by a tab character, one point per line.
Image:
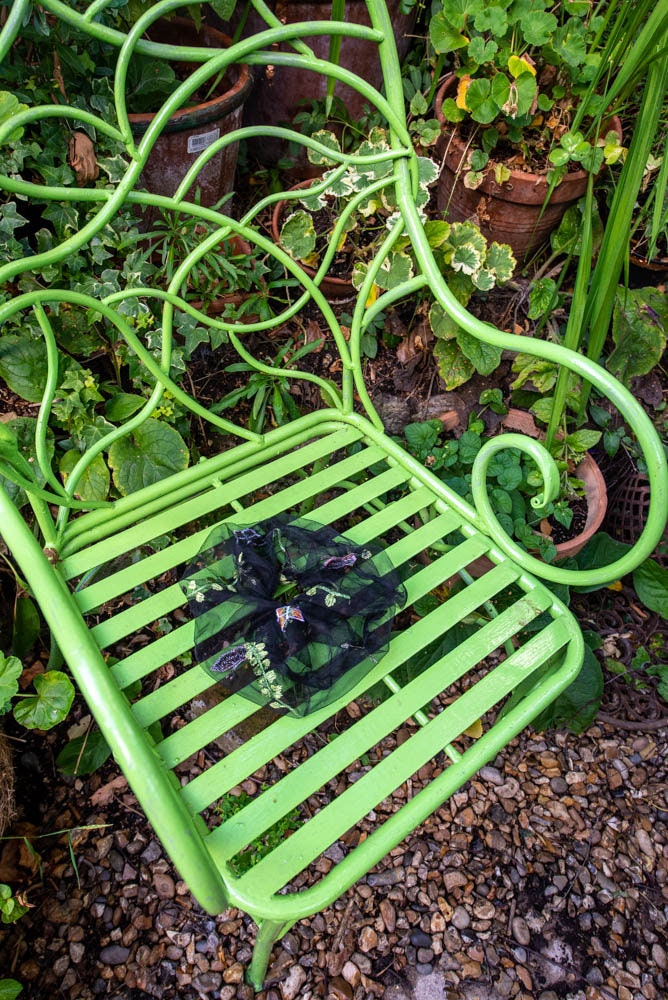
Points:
261	50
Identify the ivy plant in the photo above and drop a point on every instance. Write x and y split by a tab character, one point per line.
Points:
512	479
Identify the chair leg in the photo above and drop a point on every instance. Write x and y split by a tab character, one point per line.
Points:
268	933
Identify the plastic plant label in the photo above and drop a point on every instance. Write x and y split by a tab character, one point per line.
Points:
196	143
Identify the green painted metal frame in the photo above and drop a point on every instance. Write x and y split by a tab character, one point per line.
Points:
336	463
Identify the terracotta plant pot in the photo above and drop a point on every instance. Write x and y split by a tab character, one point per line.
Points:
280	91
588	471
190	130
331	287
508	212
522	422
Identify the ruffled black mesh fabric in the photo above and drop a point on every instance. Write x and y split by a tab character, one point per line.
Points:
289	613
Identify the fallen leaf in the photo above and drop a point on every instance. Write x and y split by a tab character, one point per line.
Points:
105	793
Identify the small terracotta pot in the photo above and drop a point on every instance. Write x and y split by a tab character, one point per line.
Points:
190	130
508	212
331	287
588	471
595	493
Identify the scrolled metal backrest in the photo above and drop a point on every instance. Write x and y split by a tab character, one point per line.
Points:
398	174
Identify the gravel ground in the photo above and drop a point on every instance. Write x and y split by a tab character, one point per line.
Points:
545	877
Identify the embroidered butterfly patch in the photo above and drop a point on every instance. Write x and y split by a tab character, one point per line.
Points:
287	614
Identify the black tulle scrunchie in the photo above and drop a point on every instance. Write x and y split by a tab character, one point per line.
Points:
289	613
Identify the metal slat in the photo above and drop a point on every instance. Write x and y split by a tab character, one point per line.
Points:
168	520
356	740
171	696
141	662
205	788
303	846
133	619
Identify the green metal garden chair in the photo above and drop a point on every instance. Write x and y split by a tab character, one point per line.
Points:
104	573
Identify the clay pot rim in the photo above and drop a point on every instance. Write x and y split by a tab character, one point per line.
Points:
217	107
526	177
330	286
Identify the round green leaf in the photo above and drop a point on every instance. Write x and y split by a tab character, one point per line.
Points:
151	453
55	693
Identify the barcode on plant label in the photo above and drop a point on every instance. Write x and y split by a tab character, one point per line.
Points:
196	143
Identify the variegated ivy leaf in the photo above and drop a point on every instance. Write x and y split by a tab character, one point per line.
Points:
466	234
344	186
500	261
298	235
326	138
427	171
395	269
466	259
483	280
359	274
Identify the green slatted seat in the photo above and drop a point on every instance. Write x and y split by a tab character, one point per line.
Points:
460	679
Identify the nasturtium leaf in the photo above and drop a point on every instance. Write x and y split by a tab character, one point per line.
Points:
11	669
152	452
298	235
23	366
51	703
